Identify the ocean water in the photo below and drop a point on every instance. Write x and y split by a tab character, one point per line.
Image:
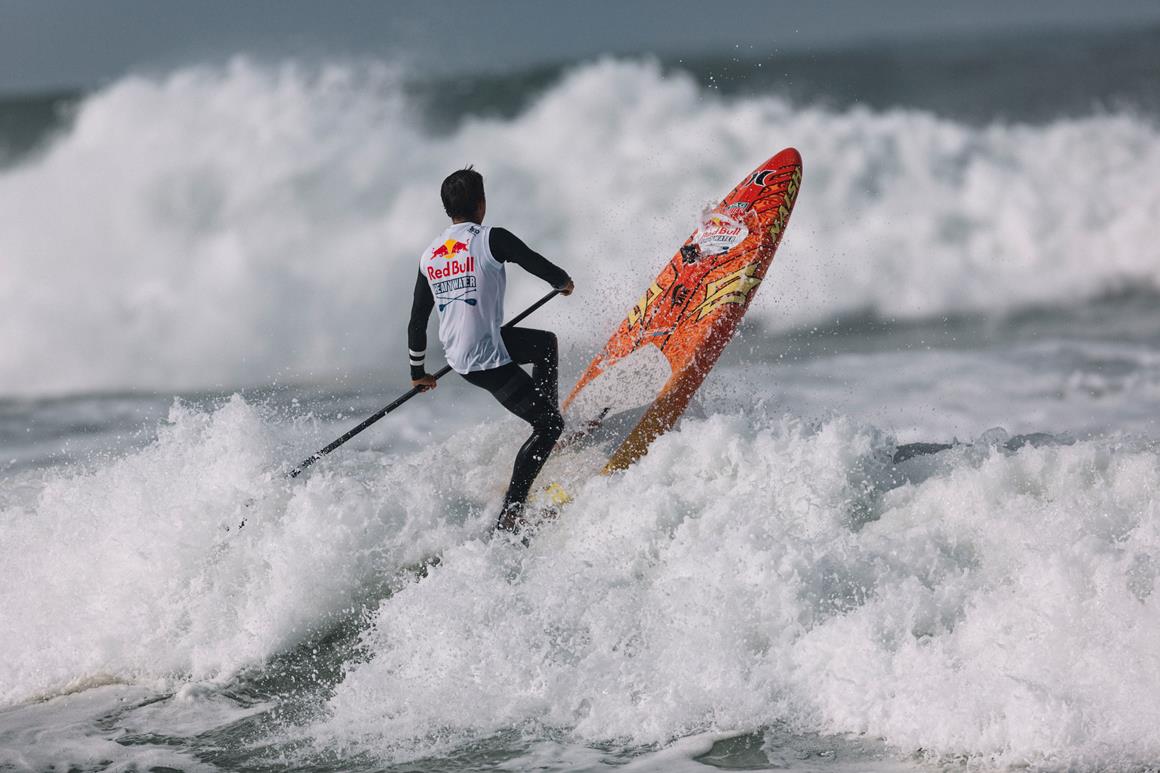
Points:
207	277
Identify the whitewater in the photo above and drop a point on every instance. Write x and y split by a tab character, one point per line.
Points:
227	226
206	278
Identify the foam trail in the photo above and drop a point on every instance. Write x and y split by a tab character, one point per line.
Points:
984	604
246	224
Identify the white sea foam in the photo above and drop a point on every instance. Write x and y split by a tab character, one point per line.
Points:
138	570
750	572
246	224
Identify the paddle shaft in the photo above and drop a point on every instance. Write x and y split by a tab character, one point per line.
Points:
294	473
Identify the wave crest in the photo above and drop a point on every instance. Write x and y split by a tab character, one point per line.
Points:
245	224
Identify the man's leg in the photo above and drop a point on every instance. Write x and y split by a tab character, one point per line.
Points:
537	348
547	424
517	392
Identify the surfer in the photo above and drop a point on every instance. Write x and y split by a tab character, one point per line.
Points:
462	274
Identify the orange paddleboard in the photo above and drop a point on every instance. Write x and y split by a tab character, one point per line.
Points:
689	313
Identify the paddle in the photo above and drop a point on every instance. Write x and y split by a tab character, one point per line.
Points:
294	473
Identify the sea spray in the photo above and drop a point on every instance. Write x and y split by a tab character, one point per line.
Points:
245	223
142	568
752	573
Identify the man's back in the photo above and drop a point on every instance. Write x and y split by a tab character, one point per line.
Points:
467	285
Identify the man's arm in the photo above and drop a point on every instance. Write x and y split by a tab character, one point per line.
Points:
507	248
421	307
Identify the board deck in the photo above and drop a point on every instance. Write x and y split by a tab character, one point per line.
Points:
643	379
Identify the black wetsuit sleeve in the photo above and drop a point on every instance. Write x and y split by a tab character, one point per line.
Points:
507	248
417	328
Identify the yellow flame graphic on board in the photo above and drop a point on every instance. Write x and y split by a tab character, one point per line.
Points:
731	288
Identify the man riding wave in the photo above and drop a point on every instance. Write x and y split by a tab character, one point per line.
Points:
462	274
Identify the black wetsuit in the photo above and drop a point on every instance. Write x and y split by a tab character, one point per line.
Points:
535	398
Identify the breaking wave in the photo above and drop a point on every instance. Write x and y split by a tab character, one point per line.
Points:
247	224
750	572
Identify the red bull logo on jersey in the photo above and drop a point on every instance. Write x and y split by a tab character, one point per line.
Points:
451	250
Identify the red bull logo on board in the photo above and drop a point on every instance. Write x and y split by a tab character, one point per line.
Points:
719	233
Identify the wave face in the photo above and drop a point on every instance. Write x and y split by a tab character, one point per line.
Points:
751	572
250	224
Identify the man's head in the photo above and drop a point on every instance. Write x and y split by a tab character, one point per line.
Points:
462	194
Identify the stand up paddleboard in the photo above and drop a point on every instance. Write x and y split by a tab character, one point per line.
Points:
643	379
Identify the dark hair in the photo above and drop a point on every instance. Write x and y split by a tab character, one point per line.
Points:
462	193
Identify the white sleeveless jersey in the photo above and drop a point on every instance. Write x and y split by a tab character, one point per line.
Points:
468	284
